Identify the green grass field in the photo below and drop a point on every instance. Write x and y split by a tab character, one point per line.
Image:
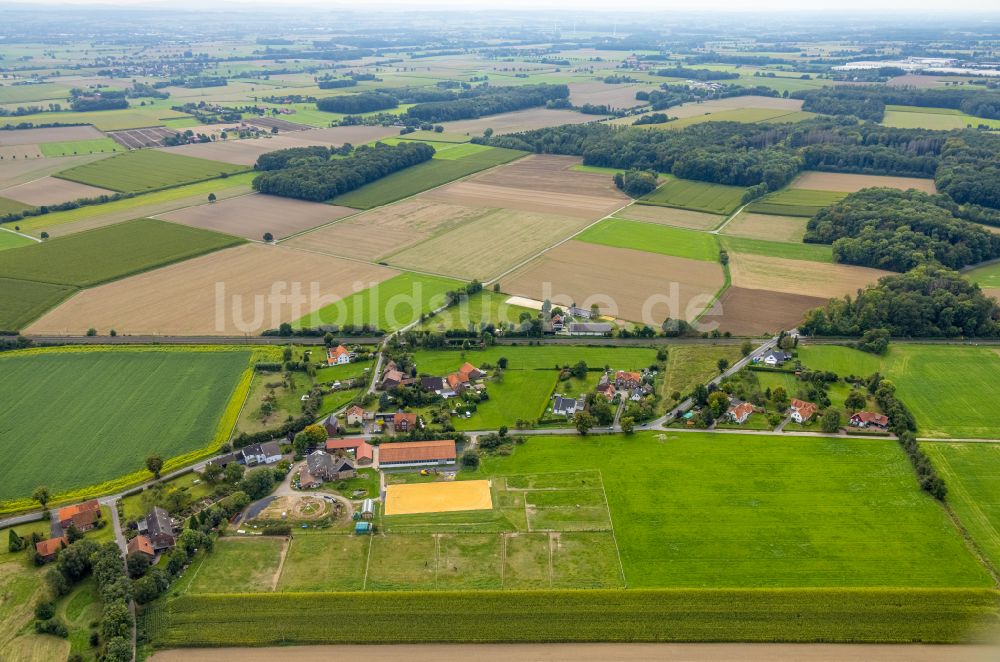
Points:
697	196
72	148
810	252
104	254
248	564
391	304
653	238
522	357
22	301
483	307
8	206
145	170
795	202
745	115
903	616
949	388
972	474
34	92
522	395
986	276
942	119
423	176
12	240
107	410
146	204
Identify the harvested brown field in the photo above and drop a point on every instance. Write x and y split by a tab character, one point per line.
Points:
694	109
246	289
490	245
252	215
474	194
19	171
766	226
624	283
57	134
152	136
520	120
51	191
338	135
836	181
681	218
753	312
17	152
237	152
545	172
604	94
271	122
760	272
375	234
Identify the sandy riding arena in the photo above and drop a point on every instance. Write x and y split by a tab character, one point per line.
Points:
438	497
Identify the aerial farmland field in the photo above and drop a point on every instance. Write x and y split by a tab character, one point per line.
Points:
148	170
22	301
795	202
75	147
107	409
696	196
653	238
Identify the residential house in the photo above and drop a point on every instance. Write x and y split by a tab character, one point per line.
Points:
627	380
432	384
141	544
83	516
404	422
47	549
739	412
416	453
774	358
867	419
326	467
579	313
338	355
268	452
355	415
606	388
470	372
589	329
802	411
227	459
362	451
159	528
391	379
556	323
567	406
332	425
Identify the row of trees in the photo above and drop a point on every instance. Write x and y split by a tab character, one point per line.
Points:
320	181
869	102
898	230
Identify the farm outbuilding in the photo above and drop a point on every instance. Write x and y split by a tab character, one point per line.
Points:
417	453
362	528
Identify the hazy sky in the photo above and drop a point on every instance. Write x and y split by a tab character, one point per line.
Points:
907	7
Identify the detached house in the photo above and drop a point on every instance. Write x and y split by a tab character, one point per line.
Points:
627	380
802	411
321	467
158	528
355	415
391	379
867	419
774	358
268	452
141	544
83	516
567	406
338	355
47	549
739	412
404	421
606	388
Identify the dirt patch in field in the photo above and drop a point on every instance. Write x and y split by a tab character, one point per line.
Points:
681	218
752	312
992	292
239	152
338	135
837	181
246	289
380	232
296	508
521	120
251	216
490	245
58	134
604	94
18	152
760	272
553	174
766	226
19	171
474	194
624	283
51	191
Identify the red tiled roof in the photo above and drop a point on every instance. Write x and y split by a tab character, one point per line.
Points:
804	409
355	409
50	546
417	451
402	416
338	351
871	417
142	544
744	408
362	449
80	514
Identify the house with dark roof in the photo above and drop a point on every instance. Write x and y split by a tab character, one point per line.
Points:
625	380
159	528
331	425
325	467
268	452
774	358
567	407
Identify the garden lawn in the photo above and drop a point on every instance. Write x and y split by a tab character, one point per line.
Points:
761	511
523	395
653	238
522	357
97	256
792	251
697	196
483	307
145	170
392	304
949	388
95	414
423	176
972	474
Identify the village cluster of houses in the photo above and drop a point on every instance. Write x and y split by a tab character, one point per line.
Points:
155	530
576	322
451	385
613	385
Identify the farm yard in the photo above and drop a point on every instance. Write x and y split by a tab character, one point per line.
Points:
696	196
253	215
182	299
107	409
141	171
640	288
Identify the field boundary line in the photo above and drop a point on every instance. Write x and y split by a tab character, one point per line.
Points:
21	234
368	562
281	564
503	559
614	536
